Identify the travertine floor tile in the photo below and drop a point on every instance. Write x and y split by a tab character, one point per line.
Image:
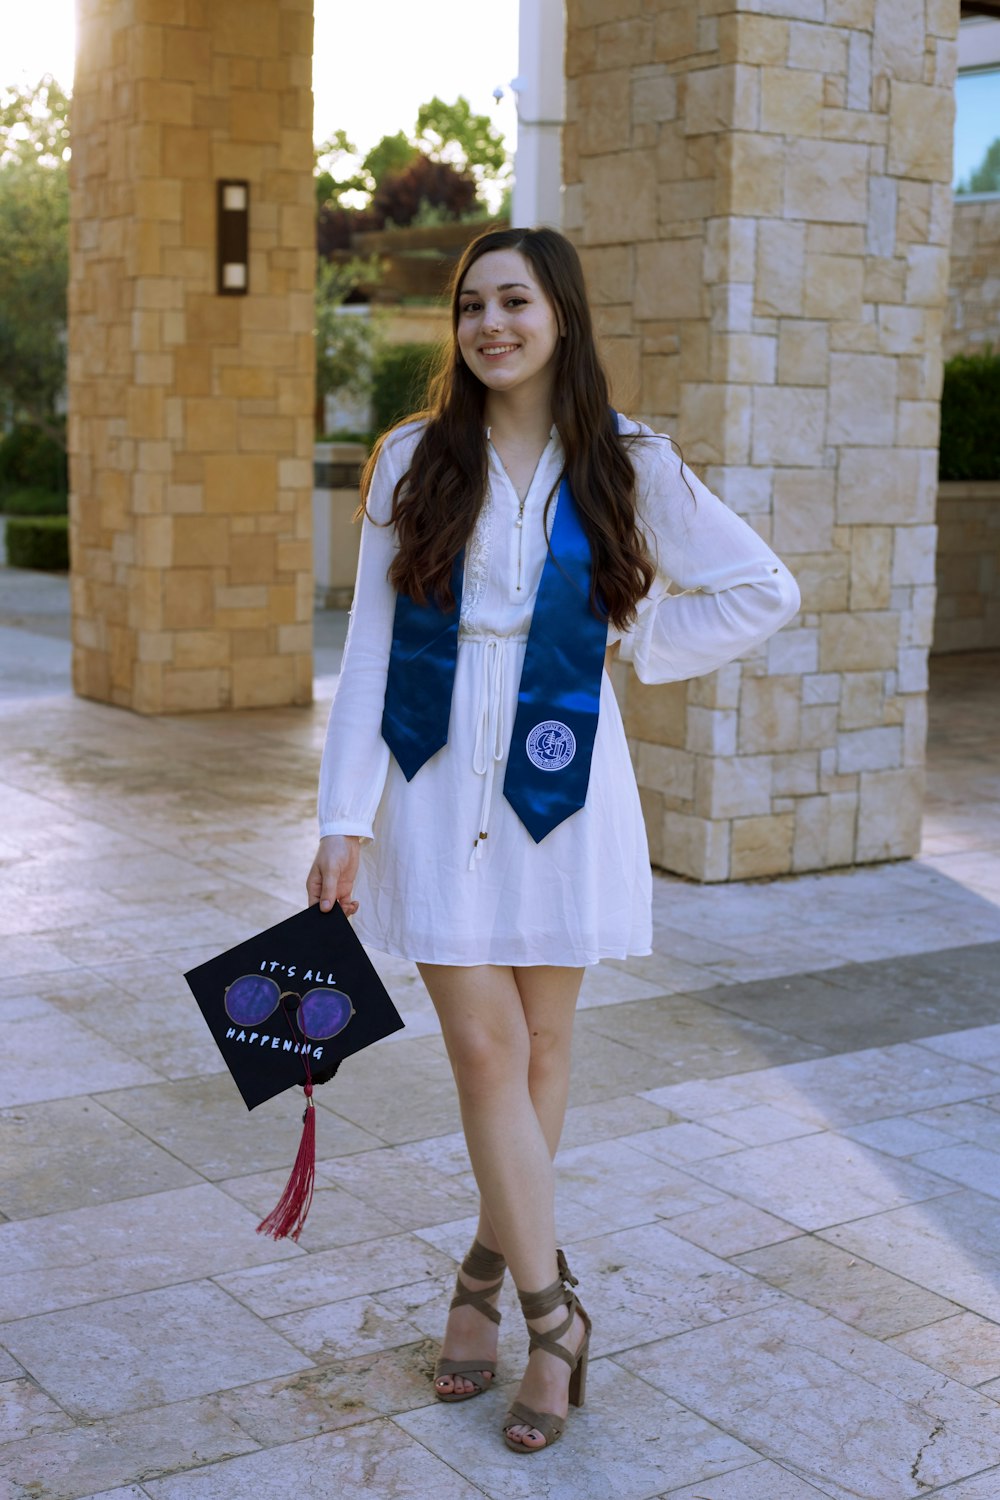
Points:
626	1186
852	1290
67	1153
641	1284
681	1142
851	1088
48	1056
344	1329
761	1481
151	1349
132	1492
340	1394
818	1180
375	1458
972	1166
98	1456
26	1410
977	1122
15	1006
628	1441
854	1025
979	1045
447	1154
424	1304
86	1254
412	1194
948	1245
810	1393
397	1090
984	1486
334	1275
603	985
165	1032
604	1120
204	1122
605	1068
759	1125
732	1228
900	1136
966	1347
335	1217
694	1037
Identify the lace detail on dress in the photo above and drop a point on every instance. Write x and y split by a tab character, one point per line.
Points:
477	566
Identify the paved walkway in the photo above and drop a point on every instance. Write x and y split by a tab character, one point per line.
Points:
779	1184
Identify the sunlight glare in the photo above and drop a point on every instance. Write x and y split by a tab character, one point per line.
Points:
38	38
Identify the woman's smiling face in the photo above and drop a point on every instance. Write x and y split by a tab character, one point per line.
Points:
508	330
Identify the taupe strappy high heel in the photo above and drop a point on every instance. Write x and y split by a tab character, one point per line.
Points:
480	1264
536	1305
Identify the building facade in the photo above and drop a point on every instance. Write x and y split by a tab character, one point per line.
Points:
760	191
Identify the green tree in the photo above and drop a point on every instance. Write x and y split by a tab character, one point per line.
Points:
986	177
335	156
452	133
34	252
34	124
443	133
393	153
346	342
331	157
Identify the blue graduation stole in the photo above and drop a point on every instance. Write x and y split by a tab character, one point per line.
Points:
552	742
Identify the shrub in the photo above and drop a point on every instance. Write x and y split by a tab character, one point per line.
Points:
970	427
400	383
33	502
30	459
39	542
345	435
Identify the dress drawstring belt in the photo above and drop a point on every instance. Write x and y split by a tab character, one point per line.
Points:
490	745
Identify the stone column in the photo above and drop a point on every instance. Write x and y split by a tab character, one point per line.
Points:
191	412
763	206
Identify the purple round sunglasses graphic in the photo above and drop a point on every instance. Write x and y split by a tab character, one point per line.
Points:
321	1013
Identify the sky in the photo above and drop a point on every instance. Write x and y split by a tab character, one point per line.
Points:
422	49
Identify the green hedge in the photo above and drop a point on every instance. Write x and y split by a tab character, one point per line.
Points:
39	542
970	418
31	501
30	459
399	384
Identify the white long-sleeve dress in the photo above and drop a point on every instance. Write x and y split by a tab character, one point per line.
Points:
427	890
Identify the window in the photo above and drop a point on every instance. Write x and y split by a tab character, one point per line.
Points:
977	107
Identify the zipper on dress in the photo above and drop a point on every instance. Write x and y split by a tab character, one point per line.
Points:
519	522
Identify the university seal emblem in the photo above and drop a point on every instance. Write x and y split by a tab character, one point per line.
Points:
551	745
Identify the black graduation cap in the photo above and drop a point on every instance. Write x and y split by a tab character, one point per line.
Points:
285	1008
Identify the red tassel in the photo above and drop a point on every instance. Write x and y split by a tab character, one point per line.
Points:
288	1216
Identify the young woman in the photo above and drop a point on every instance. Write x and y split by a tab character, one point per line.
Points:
512	533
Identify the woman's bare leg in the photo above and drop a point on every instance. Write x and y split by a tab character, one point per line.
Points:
508	1034
549	996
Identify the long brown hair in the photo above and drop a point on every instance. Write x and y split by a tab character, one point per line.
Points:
436	503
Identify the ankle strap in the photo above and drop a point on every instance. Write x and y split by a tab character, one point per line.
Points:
539	1304
483	1264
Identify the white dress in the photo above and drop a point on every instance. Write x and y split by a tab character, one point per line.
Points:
427	890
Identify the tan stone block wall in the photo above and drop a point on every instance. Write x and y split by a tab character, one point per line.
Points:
191	413
762	205
974	278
